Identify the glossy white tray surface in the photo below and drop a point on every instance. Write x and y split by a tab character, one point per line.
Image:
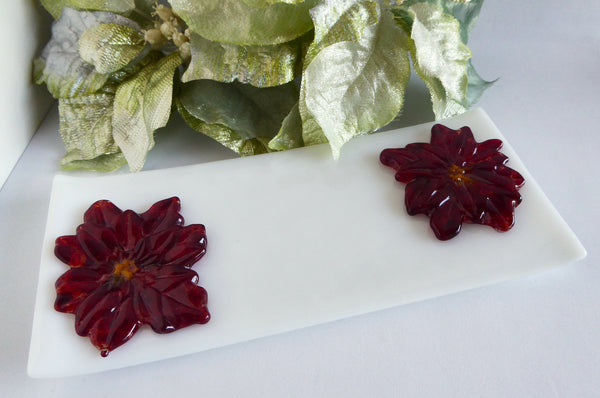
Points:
296	239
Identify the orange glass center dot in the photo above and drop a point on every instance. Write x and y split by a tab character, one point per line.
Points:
458	175
125	270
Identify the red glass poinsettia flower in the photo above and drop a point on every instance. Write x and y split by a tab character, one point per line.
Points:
130	269
455	179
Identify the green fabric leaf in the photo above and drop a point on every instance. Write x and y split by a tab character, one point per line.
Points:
103	163
261	66
86	130
234	21
477	85
110	47
143	104
60	66
465	11
147	6
55	7
242	117
290	134
147	57
440	58
340	20
356	84
262	3
158	95
226	136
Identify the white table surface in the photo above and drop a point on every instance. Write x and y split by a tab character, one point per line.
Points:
532	337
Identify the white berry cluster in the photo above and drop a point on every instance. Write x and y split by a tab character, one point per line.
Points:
169	27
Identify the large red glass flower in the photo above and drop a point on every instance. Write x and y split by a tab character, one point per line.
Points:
130	269
455	179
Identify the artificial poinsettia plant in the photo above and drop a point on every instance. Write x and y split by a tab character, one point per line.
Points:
255	75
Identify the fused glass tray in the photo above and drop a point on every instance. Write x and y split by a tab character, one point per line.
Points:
296	239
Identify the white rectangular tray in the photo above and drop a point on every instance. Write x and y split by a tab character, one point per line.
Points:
296	239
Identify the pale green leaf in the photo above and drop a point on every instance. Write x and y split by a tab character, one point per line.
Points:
60	66
242	117
290	133
143	104
261	66
234	21
147	57
146	7
334	21
86	130
110	47
226	136
355	85
158	95
440	58
476	86
262	3
341	20
55	7
465	11
103	163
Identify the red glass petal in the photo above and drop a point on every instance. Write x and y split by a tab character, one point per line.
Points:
107	316
103	300
98	243
498	213
162	215
115	329
74	286
446	220
456	144
169	305
189	248
486	149
129	230
415	160
103	213
423	195
68	250
152	248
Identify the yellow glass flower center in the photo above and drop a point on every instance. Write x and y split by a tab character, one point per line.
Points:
126	269
458	175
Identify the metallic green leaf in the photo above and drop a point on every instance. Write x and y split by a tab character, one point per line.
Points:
224	135
242	117
476	86
143	104
465	11
110	47
334	22
103	163
290	133
55	7
67	75
158	95
261	66
341	20
355	82
440	58
146	7
86	130
263	3
234	21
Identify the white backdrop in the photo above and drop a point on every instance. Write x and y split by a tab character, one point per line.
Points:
22	103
